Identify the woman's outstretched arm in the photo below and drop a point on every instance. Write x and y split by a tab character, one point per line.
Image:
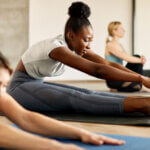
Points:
37	123
92	66
123	55
13	138
90	55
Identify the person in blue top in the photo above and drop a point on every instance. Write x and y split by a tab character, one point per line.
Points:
116	53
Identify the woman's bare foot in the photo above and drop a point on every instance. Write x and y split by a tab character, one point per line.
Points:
137	104
145	89
113	90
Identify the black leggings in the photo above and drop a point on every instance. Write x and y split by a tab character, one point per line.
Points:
132	87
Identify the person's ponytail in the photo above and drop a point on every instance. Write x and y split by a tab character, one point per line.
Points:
107	40
111	27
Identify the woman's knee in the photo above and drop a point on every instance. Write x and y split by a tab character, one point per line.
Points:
136	55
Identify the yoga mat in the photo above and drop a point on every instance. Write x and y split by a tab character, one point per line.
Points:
132	143
136	118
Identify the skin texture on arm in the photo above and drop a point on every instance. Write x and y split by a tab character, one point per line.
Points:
12	138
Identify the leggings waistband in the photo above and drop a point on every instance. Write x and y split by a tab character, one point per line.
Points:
20	77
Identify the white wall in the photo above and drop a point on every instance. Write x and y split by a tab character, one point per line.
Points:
13	29
142	30
48	17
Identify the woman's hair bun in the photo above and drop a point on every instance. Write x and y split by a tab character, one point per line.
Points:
79	10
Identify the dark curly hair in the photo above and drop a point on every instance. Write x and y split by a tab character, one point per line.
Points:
4	63
79	13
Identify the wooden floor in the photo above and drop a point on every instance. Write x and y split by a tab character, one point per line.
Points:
103	128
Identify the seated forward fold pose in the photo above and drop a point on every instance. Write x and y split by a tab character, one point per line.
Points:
49	57
13	138
115	52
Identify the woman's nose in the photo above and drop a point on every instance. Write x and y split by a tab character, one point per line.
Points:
88	46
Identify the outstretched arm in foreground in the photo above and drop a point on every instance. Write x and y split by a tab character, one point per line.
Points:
13	138
40	124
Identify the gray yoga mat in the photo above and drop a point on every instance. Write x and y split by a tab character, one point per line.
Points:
126	119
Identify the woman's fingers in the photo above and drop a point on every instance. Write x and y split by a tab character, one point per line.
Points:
95	140
143	59
113	141
100	139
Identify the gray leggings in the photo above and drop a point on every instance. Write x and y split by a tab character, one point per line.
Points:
41	96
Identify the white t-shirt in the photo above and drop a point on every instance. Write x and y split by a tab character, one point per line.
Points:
37	62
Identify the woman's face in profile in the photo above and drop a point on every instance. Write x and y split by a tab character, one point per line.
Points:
4	79
120	31
82	40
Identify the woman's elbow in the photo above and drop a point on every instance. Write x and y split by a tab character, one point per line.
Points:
24	119
28	121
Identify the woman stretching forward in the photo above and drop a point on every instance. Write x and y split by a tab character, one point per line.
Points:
49	57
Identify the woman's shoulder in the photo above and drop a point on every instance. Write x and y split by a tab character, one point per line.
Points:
60	40
110	45
57	40
47	45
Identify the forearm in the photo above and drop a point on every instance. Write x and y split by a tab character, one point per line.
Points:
118	66
12	138
133	59
111	73
37	123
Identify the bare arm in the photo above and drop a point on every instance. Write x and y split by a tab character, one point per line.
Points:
90	55
122	54
121	67
93	65
37	123
12	138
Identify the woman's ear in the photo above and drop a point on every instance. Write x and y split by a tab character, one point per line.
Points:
70	35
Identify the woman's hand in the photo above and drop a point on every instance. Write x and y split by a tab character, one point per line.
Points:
146	81
88	137
143	60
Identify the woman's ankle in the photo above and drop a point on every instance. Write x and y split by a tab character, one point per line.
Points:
137	104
